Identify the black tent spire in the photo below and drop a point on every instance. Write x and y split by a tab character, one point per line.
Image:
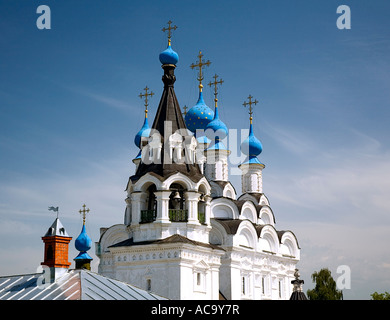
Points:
168	121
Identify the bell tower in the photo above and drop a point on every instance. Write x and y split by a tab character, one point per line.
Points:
168	194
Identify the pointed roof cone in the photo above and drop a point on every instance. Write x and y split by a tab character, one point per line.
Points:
56	229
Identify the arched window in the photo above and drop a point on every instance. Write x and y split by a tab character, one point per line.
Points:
49	252
177	207
150	213
148	284
202	204
151	200
176	199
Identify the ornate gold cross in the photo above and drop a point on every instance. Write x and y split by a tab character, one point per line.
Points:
215	84
84	212
250	106
185	110
200	65
146	95
169	29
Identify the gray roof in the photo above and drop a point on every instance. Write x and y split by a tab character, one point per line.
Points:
176	238
56	229
77	284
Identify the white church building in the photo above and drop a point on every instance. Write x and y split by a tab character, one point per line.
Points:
186	234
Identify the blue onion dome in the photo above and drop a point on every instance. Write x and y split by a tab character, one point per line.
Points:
251	146
252	160
217	126
144	132
83	242
203	139
168	56
199	116
218	145
138	155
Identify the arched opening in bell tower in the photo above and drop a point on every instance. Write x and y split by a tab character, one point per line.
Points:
177	205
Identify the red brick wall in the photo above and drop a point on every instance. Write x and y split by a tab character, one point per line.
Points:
60	247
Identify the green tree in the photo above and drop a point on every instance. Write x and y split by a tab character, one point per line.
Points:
380	296
325	288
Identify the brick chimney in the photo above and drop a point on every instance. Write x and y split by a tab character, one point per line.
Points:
56	242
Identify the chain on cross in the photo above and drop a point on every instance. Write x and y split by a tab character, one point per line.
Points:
200	65
250	106
169	29
84	212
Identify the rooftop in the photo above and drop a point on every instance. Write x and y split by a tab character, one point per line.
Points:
77	284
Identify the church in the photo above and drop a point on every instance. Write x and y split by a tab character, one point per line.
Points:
186	233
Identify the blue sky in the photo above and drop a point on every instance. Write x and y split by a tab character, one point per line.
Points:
69	110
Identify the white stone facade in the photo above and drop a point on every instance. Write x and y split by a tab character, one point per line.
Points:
220	246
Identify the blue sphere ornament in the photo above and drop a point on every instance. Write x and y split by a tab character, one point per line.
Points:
251	146
199	116
144	132
217	126
168	56
83	242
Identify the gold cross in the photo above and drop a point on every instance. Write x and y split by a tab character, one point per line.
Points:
169	31
200	65
250	106
83	212
185	110
215	83
146	95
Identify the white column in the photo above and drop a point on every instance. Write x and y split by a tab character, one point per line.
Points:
252	180
207	209
127	219
192	198
162	198
217	165
137	199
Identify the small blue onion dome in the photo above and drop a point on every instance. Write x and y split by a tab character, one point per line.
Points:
217	126
139	155
218	145
203	139
251	146
252	160
83	242
144	132
168	56
199	116
83	256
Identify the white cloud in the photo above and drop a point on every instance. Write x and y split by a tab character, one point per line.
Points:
24	215
336	202
109	101
101	98
360	247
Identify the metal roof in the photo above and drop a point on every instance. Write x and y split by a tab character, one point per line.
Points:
56	229
78	284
